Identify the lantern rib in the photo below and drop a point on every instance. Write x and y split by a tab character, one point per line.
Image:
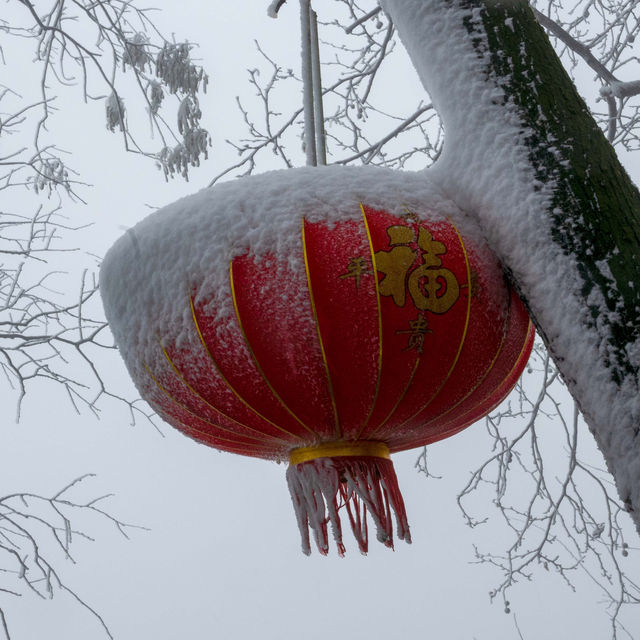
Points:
377	286
224	379
513	368
451	431
464	333
398	401
529	336
418	358
193	413
238	448
224	415
482	378
315	319
254	358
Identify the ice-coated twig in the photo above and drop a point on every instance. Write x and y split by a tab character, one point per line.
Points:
553	527
36	538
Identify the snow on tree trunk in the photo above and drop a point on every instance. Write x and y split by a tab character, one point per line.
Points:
524	156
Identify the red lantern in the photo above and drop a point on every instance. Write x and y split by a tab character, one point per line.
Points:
391	332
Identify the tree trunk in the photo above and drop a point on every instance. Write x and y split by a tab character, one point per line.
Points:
524	156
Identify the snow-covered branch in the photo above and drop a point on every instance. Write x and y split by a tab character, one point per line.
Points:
123	41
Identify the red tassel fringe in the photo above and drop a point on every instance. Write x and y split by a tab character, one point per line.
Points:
361	484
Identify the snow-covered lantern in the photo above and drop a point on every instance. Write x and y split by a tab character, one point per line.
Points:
324	316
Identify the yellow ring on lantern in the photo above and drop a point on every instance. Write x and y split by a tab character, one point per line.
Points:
339	449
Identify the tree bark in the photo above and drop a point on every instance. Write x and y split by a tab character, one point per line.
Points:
524	156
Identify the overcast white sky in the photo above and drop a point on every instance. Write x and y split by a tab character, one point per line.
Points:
222	557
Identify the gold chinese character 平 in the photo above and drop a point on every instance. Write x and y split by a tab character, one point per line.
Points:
357	268
431	287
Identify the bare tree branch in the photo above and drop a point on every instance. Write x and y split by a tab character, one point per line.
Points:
36	538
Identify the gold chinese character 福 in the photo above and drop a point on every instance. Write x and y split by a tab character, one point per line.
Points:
431	287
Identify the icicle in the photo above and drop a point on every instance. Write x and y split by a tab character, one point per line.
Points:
363	485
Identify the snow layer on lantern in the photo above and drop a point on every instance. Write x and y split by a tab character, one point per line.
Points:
147	274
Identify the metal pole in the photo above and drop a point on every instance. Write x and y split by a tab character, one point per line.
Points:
307	84
321	150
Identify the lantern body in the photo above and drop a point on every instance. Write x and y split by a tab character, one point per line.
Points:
378	322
